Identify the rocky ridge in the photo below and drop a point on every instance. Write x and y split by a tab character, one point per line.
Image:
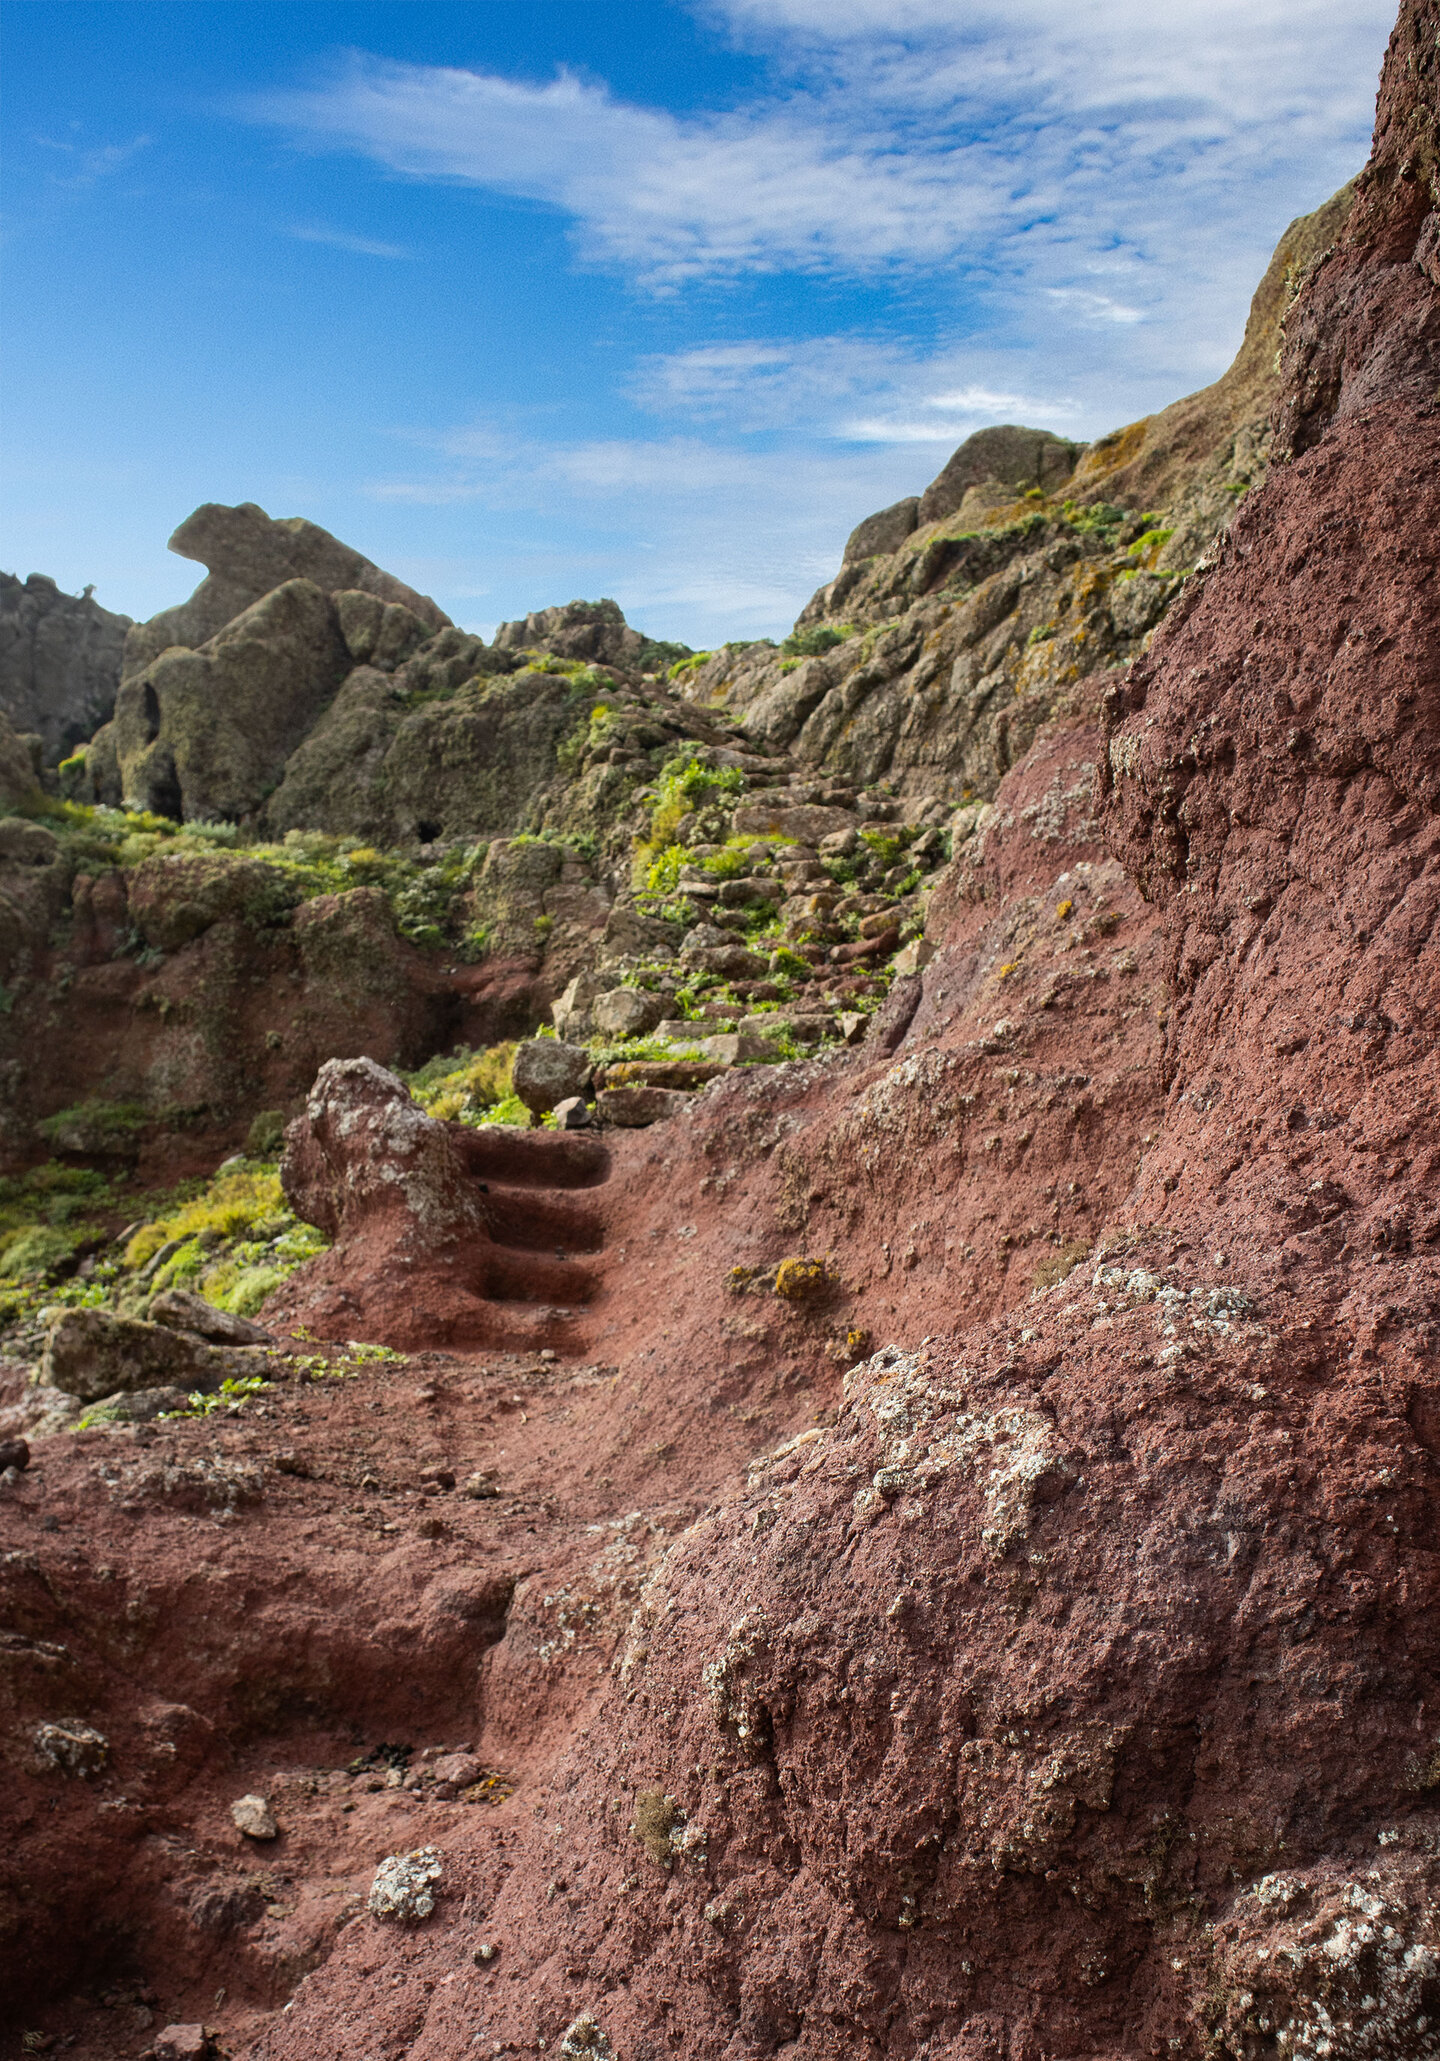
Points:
961	620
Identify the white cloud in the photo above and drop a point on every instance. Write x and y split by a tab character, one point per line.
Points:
1030	149
855	388
340	239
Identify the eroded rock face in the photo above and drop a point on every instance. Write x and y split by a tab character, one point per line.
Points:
594	630
206	733
59	661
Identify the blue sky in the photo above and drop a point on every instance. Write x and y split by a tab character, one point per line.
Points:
535	301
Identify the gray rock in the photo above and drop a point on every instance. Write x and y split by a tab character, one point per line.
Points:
71	1748
1014	457
885	531
571	1014
594	630
803	823
737	1048
182	1311
629	935
634	1108
573	1114
705	937
18	784
734	962
253	1816
547	1071
206	732
378	633
404	1885
59	661
248	555
91	1354
627	1012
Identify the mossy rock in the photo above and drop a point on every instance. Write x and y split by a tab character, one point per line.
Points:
174	897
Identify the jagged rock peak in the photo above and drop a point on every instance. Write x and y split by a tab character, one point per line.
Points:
1007	457
248	554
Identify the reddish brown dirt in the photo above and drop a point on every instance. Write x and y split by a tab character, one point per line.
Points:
1058	1682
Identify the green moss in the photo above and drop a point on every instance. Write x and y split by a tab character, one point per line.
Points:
95	1126
464	1086
812	642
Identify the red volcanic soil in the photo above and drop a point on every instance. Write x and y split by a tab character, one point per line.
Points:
931	1653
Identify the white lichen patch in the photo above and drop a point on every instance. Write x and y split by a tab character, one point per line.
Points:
404	1885
601	1603
1327	1969
585	2039
71	1748
928	1431
734	1700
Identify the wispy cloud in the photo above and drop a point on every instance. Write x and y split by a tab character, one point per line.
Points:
89	163
853	388
913	132
340	239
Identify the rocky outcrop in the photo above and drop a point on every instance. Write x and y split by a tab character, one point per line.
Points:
960	622
205	734
1007	457
248	554
593	630
60	658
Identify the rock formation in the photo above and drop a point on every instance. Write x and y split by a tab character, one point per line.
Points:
60	658
925	1552
961	620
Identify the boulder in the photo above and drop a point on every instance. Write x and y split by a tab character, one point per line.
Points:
364	1157
633	1108
59	662
883	532
182	1311
627	1012
90	1354
1011	456
546	1071
802	823
573	1114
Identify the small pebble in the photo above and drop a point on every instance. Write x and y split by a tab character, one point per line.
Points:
253	1816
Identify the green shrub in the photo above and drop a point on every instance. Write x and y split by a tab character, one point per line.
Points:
811	643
